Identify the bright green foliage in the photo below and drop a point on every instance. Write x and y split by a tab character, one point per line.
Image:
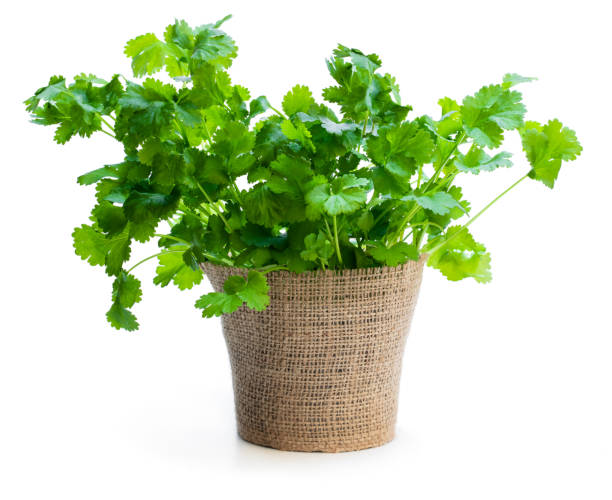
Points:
298	100
461	257
439	203
395	254
252	291
546	147
477	160
216	175
318	248
172	267
489	112
345	194
126	293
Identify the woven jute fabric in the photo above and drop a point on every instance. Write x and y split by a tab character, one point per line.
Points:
319	369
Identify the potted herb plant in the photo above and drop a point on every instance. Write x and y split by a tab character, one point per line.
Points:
313	220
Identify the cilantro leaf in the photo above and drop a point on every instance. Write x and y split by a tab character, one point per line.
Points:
512	79
95	175
343	195
126	293
394	255
489	112
317	248
172	268
148	54
218	303
439	203
460	256
299	99
90	245
237	290
546	147
255	293
476	161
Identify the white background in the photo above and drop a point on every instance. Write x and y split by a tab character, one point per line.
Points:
507	387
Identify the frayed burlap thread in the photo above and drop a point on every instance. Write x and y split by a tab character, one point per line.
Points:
319	369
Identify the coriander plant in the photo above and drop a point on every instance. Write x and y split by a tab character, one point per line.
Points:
216	175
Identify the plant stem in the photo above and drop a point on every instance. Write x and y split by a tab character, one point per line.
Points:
279	113
210	202
107	124
179	125
272	267
458	142
152	257
236	192
107	133
170	237
336	240
473	219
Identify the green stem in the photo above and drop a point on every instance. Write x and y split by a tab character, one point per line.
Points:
236	192
336	240
473	219
210	202
170	237
402	227
272	267
107	124
279	113
152	257
107	133
179	125
458	142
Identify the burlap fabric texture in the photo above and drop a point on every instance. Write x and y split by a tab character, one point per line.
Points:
319	369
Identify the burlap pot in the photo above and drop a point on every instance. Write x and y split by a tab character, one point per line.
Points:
319	369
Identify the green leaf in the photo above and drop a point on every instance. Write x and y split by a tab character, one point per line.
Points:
460	256
218	303
233	144
317	248
476	161
439	203
344	195
258	105
298	132
547	146
394	255
266	208
489	112
126	293
118	252
512	79
90	245
95	175
143	206
212	47
172	268
450	121
299	99
260	236
255	293
148	54
121	318
126	290
179	33
110	218
289	176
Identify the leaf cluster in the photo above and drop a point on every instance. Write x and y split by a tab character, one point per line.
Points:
217	175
